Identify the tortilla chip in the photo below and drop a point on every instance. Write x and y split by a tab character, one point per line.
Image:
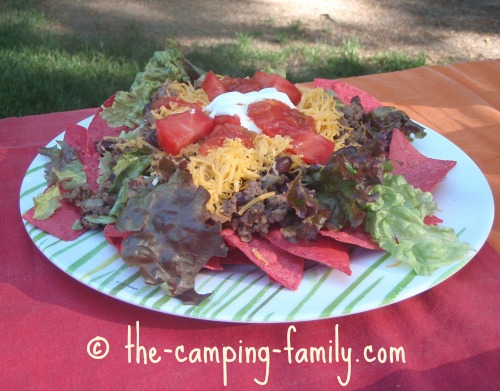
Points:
76	137
432	220
324	250
279	265
235	257
357	237
60	224
115	237
91	168
420	171
98	128
346	92
214	263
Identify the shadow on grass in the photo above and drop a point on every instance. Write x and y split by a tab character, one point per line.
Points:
44	70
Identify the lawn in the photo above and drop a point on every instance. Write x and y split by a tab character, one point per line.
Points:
43	70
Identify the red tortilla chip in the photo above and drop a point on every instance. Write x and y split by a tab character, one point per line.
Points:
357	237
235	257
346	92
91	168
60	224
76	136
214	263
420	171
432	220
98	128
115	237
280	266
324	250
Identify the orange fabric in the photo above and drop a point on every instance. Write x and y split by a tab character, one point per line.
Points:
460	101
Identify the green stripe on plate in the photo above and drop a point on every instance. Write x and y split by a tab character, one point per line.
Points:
268	316
199	288
306	298
32	190
253	301
101	276
125	284
391	296
348	309
331	307
222	295
112	277
263	304
101	266
149	296
87	257
161	301
34	169
75	243
39	236
236	296
51	244
208	300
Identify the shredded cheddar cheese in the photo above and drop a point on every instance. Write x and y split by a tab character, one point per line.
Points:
256	200
185	92
259	256
228	169
188	93
163	111
320	105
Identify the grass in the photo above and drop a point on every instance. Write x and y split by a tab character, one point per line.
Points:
43	70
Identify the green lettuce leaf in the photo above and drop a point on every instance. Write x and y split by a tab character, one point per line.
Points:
396	222
47	203
128	106
64	170
64	166
342	187
129	165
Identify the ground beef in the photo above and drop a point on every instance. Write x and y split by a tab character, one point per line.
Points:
98	204
260	217
149	135
353	118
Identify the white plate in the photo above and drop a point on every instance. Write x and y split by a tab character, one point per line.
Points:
244	293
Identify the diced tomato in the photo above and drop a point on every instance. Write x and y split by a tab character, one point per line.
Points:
313	147
179	130
276	118
169	101
240	84
222	132
227	119
267	80
213	86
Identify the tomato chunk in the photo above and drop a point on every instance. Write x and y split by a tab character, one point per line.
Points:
225	131
240	84
179	130
314	148
213	86
267	80
225	119
276	118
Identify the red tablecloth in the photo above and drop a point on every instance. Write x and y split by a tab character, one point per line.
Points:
449	335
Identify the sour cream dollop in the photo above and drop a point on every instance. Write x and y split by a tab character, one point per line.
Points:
236	103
